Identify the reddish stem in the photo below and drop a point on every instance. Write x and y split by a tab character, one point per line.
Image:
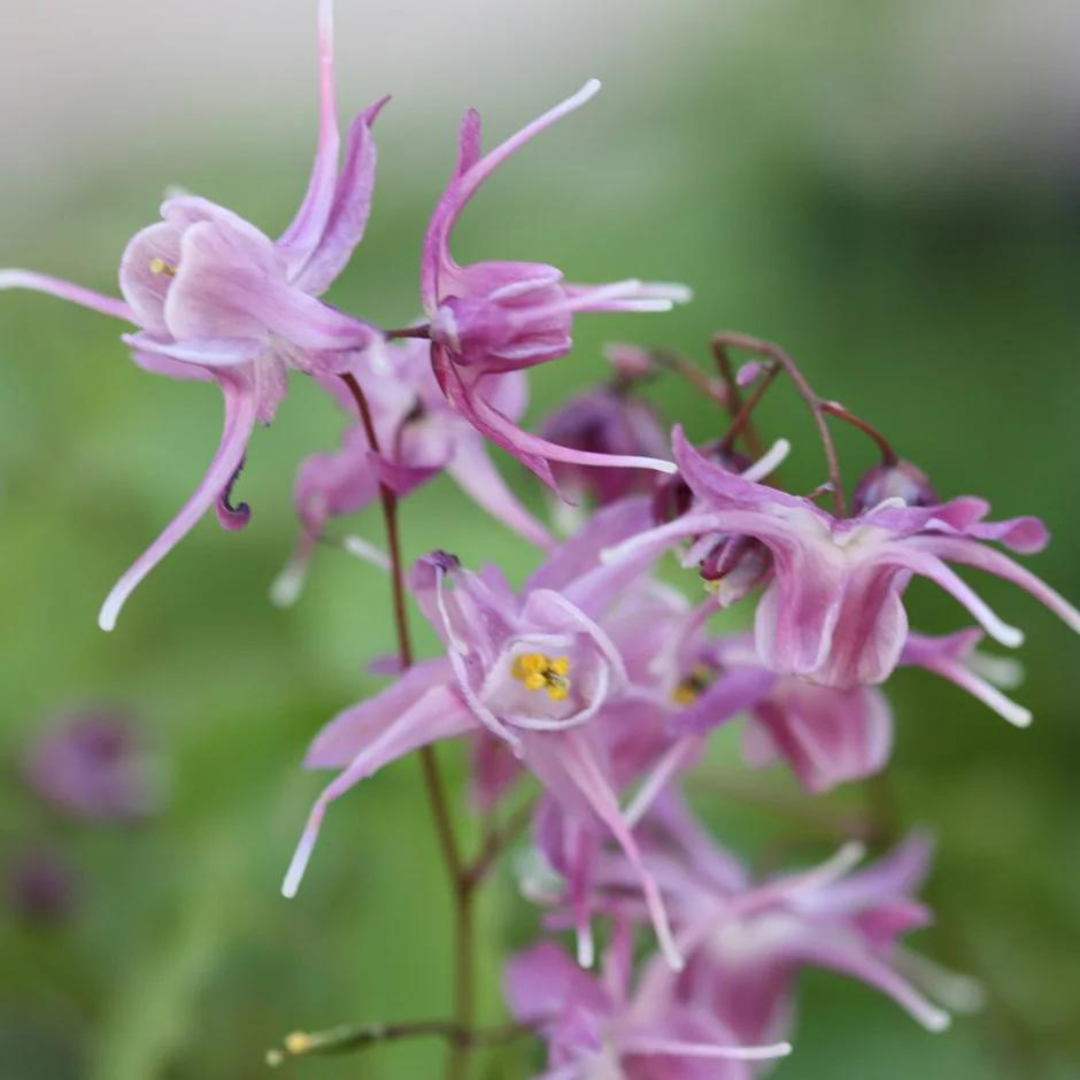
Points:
722	341
888	454
433	781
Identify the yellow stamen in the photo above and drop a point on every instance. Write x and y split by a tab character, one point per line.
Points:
298	1042
693	686
538	671
160	266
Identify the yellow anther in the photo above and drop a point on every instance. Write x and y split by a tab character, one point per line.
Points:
538	671
160	266
298	1042
693	686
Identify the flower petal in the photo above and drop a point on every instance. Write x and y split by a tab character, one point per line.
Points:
302	237
382	737
66	290
475	473
351	208
241	405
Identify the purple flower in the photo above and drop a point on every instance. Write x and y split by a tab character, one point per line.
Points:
833	610
214	298
534	670
94	766
955	657
748	948
604	420
420	434
745	942
601	1028
827	736
493	317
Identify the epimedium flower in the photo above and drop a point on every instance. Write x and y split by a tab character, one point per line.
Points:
833	609
745	941
601	1027
532	669
490	318
93	765
419	435
214	298
749	948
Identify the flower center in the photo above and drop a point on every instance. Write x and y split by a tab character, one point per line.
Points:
538	671
160	266
693	686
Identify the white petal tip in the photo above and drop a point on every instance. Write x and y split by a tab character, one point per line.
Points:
1020	718
286	588
590	89
937	1021
108	615
586	951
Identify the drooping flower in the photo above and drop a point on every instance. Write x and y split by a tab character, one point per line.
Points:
214	298
490	318
746	941
533	669
94	766
749	948
833	610
419	434
600	1027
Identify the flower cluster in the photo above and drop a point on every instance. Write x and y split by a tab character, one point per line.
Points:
587	695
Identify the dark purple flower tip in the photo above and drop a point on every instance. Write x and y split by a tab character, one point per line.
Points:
900	481
93	766
40	886
229	516
443	560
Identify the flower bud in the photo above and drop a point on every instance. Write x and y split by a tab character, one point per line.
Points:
900	481
605	421
672	497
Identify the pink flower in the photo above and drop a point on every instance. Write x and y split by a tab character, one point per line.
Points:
420	434
745	942
600	1027
490	318
750	947
534	670
215	298
833	610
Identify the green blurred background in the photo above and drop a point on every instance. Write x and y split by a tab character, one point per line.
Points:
891	190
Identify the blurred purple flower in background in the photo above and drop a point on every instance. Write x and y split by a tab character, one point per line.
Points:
94	766
40	884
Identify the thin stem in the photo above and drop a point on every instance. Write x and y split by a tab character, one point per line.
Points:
735	398
681	365
722	341
741	421
422	332
350	1038
888	454
433	781
496	842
